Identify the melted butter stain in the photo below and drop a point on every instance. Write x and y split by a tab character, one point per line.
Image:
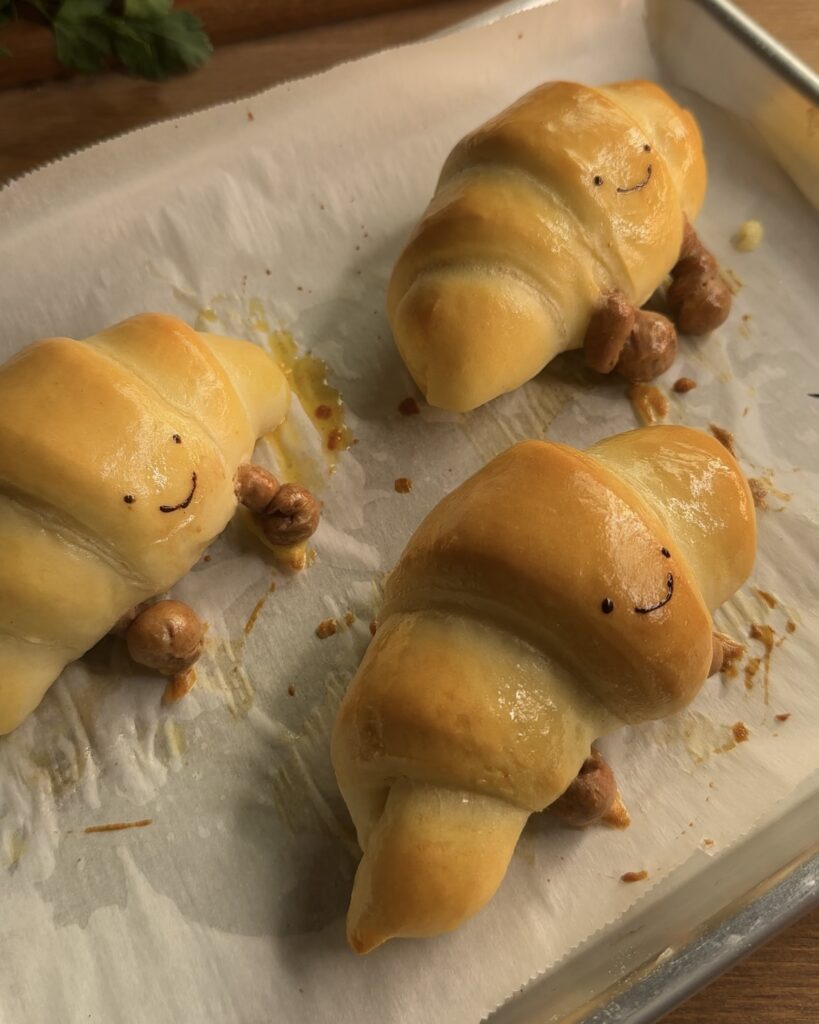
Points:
769	640
650	405
179	685
257	608
175	738
15	845
307	375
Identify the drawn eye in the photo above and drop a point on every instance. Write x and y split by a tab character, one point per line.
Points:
646	148
607	606
665	552
177	439
597	179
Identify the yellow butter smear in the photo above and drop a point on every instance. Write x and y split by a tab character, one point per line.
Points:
307	376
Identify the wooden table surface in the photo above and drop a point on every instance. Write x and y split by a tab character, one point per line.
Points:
259	43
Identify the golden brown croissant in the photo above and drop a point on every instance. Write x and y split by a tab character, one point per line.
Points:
554	596
117	462
568	196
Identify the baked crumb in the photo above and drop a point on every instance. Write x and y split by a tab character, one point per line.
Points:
725	437
403	485
373	627
759	492
748	236
291	689
327	627
408	407
740	732
634	876
349	618
708	842
683	384
118	826
783	716
617	815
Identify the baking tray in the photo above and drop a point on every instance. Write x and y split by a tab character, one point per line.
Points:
692	928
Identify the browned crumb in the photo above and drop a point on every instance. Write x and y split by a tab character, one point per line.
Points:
334	439
349	618
759	492
403	485
783	716
634	876
373	627
327	627
725	437
731	653
790	626
408	407
617	815
268	271
684	384
708	842
291	689
740	732
767	597
118	826
323	412
250	116
179	685
206	558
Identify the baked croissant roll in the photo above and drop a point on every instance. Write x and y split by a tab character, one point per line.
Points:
553	597
570	195
117	462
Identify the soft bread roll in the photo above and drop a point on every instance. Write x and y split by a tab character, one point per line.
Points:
554	596
117	458
569	193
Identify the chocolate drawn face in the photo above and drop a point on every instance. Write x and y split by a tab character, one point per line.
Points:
599	180
129	499
607	605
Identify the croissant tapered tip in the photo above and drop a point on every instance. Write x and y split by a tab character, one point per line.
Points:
364	940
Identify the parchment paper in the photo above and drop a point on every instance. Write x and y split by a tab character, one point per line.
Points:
286	212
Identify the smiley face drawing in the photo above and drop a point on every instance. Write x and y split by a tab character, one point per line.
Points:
553	597
122	457
572	194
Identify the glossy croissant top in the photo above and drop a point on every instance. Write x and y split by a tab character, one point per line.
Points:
551	598
569	193
117	457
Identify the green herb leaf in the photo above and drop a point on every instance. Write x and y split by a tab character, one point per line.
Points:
147	8
161	46
82	35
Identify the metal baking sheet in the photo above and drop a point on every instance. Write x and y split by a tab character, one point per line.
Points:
125	226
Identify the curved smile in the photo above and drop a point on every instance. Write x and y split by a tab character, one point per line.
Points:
639	185
669	586
182	504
